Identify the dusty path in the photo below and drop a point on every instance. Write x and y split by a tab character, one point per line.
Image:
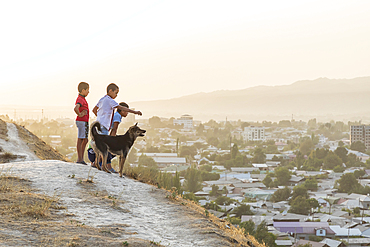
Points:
143	209
15	145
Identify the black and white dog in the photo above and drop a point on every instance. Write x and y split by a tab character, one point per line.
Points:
119	145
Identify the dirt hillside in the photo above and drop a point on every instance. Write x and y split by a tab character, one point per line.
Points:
37	146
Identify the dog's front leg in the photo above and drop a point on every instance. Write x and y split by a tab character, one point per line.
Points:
122	160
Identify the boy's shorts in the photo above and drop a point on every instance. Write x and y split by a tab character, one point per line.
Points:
103	131
83	129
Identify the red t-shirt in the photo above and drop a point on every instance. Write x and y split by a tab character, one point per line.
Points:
83	106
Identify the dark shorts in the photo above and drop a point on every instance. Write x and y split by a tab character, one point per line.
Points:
91	154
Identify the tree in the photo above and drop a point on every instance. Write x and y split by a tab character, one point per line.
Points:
358	146
259	156
189	151
214	191
267	181
299	191
262	235
147	161
281	195
243	209
300	205
342	153
306	146
249	227
234	151
282	176
332	160
348	183
155	122
192	180
224	200
132	157
310	184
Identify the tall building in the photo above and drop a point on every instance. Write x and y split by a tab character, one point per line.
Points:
185	120
253	133
360	133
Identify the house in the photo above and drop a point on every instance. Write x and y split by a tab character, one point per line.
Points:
303	242
302	230
283	243
333	243
261	167
345	232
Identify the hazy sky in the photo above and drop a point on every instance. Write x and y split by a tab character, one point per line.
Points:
166	49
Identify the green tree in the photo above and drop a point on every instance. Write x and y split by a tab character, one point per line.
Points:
332	160
299	191
192	180
243	209
224	200
281	195
267	181
348	183
234	151
262	235
358	146
249	227
306	146
147	161
282	176
311	184
259	156
342	153
300	205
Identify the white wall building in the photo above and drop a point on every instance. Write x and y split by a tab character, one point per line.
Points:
360	133
253	133
185	120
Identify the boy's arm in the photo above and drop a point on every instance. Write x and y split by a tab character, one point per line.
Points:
122	108
77	111
113	132
95	110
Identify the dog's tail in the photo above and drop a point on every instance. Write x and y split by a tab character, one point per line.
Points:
94	126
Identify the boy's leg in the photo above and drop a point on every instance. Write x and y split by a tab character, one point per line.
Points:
83	133
79	150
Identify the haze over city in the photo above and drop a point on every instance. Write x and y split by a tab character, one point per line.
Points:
157	50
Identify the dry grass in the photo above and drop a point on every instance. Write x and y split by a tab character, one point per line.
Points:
231	233
38	146
31	218
3	130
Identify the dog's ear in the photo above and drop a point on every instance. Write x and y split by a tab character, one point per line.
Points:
136	123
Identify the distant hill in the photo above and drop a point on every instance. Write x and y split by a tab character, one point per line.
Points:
322	98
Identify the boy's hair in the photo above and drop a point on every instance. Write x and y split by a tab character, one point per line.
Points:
112	87
82	85
123	104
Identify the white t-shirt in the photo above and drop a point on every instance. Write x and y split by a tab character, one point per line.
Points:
106	107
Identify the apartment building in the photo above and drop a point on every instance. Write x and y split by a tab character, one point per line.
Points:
360	133
253	133
185	120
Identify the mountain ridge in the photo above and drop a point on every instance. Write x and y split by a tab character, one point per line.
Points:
306	97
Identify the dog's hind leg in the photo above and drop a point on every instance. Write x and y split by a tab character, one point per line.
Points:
104	163
122	160
97	157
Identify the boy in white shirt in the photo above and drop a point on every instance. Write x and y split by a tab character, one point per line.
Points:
104	109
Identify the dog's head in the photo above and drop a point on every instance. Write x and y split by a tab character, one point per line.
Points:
136	131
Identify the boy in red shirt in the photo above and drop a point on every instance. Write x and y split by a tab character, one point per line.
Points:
82	121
